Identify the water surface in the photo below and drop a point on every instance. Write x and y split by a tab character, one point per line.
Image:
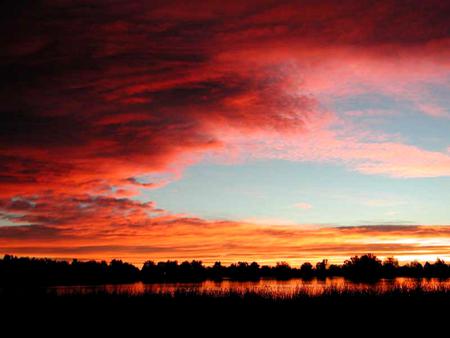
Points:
263	286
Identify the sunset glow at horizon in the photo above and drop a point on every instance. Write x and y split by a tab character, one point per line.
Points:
230	131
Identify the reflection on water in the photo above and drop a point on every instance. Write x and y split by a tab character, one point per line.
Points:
264	286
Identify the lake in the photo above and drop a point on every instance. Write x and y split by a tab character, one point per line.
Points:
264	286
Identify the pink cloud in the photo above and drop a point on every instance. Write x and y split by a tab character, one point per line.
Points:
321	142
434	110
303	205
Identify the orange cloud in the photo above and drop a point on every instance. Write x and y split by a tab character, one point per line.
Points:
177	238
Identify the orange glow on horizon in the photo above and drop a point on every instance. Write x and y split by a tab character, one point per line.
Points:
230	242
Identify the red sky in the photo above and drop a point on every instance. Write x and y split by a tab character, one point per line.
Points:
97	94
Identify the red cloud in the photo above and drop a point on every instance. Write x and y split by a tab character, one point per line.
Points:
95	95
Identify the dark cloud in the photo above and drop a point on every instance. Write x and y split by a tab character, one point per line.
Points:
34	232
116	81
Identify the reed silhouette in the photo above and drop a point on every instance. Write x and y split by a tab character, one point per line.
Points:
227	308
19	271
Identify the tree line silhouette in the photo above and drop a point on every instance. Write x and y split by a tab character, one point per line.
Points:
43	271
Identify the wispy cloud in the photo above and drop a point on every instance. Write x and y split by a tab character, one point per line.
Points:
303	205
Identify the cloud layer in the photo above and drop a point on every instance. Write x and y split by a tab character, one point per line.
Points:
179	238
97	95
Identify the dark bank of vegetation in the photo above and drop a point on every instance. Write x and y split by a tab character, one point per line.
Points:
40	271
197	307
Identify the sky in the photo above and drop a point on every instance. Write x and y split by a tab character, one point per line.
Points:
239	130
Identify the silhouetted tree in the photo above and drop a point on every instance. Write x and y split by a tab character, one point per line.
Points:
191	271
390	267
282	270
253	270
167	270
321	268
149	271
412	269
306	270
439	269
334	270
244	271
20	271
266	271
217	271
120	272
367	267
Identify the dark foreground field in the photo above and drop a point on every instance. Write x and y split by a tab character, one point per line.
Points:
29	302
405	308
